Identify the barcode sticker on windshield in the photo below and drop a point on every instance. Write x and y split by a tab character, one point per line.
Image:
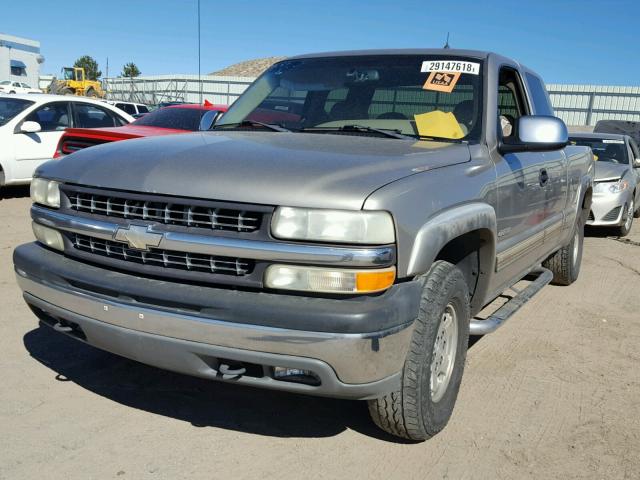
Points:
606	140
450	66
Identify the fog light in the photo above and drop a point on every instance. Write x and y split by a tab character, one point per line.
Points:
296	375
48	236
328	280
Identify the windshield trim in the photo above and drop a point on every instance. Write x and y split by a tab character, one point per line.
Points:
473	135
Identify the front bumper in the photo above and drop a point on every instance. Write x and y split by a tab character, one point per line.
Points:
607	209
356	346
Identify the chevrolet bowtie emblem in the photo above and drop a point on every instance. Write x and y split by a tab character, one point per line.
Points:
138	237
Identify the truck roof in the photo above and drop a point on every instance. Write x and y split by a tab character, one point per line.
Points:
400	51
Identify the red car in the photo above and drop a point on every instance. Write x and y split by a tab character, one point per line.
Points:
164	121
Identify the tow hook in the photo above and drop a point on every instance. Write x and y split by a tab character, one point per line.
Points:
58	327
225	369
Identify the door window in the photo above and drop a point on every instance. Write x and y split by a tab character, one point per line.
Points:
539	95
93	116
52	117
511	101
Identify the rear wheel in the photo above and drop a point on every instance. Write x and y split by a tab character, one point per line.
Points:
627	218
91	93
435	363
66	91
565	263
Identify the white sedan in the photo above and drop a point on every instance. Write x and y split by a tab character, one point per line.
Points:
17	87
31	126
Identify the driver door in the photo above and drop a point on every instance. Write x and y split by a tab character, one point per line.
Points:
33	149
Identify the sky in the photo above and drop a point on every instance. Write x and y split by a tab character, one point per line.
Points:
568	41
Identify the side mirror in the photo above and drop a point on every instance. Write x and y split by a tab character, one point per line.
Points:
29	127
209	119
536	133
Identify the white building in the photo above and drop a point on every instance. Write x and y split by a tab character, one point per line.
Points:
20	59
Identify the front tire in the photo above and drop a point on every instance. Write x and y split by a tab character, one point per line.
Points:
435	363
627	218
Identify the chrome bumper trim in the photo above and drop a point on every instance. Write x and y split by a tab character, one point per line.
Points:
356	358
223	246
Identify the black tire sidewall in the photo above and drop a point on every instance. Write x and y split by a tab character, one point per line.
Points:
436	415
575	266
452	290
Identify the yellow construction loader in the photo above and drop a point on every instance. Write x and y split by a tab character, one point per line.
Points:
74	82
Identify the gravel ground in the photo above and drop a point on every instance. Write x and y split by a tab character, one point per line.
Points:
552	394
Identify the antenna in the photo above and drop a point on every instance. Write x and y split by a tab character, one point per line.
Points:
446	45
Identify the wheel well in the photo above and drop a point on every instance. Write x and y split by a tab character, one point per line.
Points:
586	204
474	254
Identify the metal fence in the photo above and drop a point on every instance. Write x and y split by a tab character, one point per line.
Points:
577	105
176	88
586	104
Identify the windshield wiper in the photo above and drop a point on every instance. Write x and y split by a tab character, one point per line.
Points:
361	128
253	123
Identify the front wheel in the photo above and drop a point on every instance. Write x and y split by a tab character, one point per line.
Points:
627	218
435	363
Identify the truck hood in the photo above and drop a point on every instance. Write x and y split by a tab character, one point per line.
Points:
295	169
609	170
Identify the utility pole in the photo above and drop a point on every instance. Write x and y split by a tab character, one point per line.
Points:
199	63
106	81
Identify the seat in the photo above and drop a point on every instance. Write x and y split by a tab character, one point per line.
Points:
392	116
464	113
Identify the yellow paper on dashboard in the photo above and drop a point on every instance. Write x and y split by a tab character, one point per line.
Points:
438	124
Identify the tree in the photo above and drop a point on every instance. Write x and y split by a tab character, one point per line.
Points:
130	70
90	67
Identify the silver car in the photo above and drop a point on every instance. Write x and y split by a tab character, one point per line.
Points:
616	193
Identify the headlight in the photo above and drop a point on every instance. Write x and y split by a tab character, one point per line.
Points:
341	226
45	192
611	187
328	280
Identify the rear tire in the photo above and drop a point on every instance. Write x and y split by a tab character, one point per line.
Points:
627	217
435	363
565	263
66	91
91	93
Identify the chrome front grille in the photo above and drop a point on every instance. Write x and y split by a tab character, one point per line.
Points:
163	258
175	212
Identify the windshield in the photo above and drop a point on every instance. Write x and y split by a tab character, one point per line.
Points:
6	82
178	118
10	107
605	150
413	95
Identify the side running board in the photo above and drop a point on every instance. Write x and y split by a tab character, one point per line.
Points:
506	311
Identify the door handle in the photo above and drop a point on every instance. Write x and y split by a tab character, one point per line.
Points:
544	177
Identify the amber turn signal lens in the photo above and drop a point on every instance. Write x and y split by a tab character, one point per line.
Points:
375	281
